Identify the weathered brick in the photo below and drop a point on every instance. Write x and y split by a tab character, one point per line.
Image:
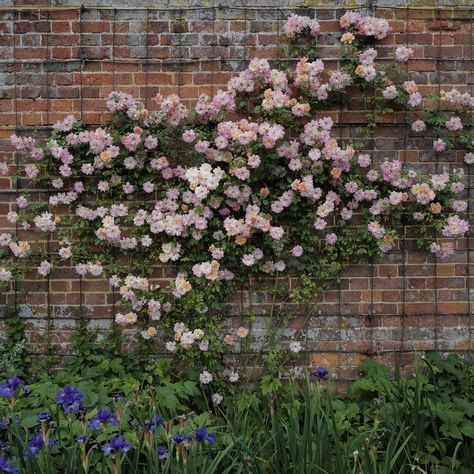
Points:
398	292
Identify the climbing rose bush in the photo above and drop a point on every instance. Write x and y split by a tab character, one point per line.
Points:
250	182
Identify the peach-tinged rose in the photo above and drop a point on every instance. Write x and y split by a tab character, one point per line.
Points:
151	331
131	318
302	186
347	38
242	332
336	172
228	339
106	157
235	134
240	240
435	207
344	22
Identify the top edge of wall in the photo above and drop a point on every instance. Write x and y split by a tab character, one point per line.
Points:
240	4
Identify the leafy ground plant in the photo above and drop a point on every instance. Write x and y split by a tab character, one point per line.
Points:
420	424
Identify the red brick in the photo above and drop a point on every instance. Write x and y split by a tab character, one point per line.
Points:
96	27
428	32
60	27
442	25
415	38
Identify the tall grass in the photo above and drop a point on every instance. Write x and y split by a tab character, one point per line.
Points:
424	424
299	433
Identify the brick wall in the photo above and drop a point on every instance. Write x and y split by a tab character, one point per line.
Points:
65	59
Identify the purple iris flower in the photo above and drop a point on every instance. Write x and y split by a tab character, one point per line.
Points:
7	466
4	423
36	444
179	438
320	372
202	435
162	453
154	422
43	416
70	398
104	416
116	444
82	438
8	388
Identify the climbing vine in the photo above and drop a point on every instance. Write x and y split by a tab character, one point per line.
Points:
250	183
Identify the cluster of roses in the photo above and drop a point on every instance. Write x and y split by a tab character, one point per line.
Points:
228	213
